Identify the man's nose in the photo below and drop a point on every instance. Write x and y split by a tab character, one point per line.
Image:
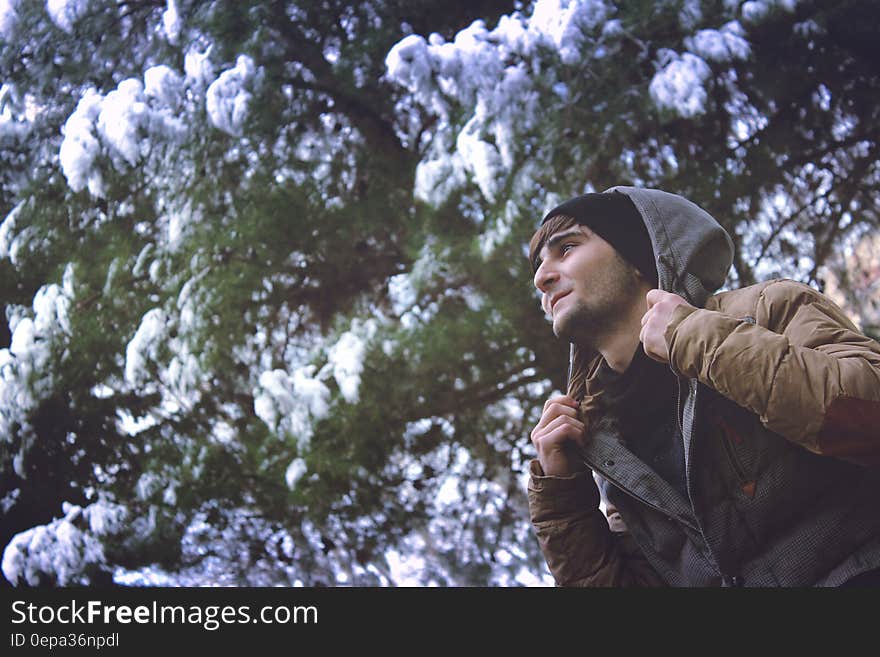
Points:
545	277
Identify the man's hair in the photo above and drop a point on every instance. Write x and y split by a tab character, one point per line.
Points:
551	226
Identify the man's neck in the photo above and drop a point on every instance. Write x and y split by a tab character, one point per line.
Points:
619	354
619	347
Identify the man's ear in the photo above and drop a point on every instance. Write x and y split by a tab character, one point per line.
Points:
639	280
639	276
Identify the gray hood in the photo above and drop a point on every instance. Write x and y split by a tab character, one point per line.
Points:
693	251
693	255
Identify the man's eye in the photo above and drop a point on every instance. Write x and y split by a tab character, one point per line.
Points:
565	248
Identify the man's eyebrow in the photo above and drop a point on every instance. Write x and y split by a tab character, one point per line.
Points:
564	235
555	239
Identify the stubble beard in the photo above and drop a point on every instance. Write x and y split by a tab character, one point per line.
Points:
589	322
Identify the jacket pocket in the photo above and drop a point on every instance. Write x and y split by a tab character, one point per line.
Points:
729	438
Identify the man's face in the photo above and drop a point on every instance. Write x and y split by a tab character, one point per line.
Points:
586	286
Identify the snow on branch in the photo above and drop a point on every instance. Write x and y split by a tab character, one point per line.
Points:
64	549
25	374
119	126
228	98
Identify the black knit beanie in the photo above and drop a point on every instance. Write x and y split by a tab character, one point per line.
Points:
614	217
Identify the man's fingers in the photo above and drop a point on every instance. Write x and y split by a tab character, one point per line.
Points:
541	433
563	421
562	399
548	420
654	296
563	437
559	435
553	412
643	338
558	430
653	356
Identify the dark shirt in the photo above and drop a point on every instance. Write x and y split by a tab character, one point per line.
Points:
642	403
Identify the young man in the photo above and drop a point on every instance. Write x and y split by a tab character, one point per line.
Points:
736	435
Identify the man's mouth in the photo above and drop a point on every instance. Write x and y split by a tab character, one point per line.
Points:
556	298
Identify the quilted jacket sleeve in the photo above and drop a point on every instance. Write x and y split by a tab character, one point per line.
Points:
575	538
796	361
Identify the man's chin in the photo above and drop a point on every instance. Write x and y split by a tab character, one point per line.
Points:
576	326
562	328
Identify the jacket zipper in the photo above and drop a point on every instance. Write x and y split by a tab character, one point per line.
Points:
678	407
726	579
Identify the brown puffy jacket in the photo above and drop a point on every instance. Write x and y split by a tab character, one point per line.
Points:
789	500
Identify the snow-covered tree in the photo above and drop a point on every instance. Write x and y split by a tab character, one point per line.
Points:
268	319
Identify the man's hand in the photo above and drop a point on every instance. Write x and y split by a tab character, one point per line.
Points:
557	436
654	323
